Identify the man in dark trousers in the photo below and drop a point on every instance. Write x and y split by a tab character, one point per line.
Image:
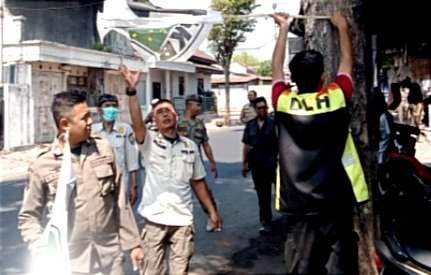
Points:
260	156
315	187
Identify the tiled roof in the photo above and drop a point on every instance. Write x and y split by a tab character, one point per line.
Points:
234	78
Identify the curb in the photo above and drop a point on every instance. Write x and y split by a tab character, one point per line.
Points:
14	176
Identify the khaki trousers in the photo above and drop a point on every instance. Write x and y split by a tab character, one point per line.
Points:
157	240
116	268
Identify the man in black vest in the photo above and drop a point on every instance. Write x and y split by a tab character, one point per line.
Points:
260	156
314	188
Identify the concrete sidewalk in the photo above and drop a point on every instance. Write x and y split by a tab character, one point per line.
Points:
14	164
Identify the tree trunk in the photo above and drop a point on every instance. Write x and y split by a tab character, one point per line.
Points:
226	70
322	36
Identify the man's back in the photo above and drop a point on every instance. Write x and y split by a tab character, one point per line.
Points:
313	129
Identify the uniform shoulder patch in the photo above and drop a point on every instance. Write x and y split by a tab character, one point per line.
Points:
122	130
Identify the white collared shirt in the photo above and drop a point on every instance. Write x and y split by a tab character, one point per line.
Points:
170	167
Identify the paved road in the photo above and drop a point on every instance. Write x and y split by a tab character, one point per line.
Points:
236	250
13	255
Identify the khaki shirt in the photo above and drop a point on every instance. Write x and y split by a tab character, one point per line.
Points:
193	129
101	222
167	195
123	142
248	113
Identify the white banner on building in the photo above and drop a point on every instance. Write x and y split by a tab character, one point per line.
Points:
164	36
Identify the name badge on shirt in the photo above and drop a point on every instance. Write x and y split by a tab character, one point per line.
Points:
101	160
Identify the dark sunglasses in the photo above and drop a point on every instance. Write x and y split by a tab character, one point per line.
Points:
262	107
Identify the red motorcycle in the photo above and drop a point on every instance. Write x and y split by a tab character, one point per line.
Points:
403	201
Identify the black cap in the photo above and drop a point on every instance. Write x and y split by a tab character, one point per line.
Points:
195	98
106	97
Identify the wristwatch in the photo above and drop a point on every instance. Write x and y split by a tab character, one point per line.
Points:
130	92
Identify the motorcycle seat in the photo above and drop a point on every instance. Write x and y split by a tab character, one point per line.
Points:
420	255
421	170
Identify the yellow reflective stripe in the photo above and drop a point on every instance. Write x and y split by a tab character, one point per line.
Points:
311	103
352	166
277	189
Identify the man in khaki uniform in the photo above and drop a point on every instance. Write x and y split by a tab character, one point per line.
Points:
191	127
174	170
194	128
248	111
101	223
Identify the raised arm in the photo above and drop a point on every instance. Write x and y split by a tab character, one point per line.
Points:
280	46
346	60
138	125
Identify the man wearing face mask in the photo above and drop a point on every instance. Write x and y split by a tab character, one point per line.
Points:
122	140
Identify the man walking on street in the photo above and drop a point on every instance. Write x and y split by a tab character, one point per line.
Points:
101	223
173	170
260	156
120	136
191	127
194	128
248	111
314	189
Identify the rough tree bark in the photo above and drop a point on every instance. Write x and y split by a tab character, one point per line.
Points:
321	35
226	70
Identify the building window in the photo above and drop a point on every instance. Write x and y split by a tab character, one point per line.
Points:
157	90
201	89
181	85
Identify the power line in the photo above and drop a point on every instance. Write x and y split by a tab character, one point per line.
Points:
57	7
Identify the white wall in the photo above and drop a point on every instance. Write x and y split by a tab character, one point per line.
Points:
238	97
18	127
44	85
207	81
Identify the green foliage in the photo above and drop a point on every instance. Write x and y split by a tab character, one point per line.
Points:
265	68
98	46
246	59
225	37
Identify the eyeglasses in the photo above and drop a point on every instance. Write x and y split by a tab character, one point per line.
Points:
262	107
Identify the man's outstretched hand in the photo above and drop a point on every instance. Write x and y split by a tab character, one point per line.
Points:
281	18
131	78
339	21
